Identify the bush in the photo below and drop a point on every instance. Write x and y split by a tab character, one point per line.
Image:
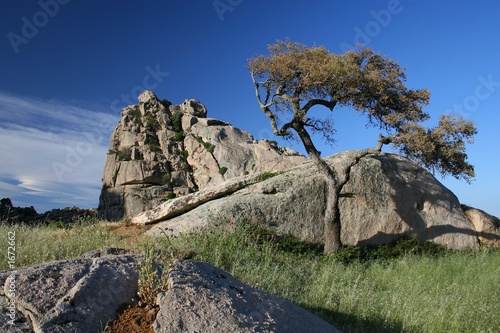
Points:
179	136
223	170
170	195
176	120
209	147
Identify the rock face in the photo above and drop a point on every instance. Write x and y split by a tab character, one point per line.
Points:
79	295
202	298
487	226
387	196
159	151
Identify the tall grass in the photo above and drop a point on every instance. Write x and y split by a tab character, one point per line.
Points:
43	243
446	292
437	291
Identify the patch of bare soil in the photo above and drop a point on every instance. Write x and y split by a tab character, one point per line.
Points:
134	319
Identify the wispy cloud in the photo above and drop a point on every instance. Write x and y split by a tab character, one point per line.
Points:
52	153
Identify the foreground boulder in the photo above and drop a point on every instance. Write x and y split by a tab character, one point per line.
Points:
85	294
202	298
79	295
387	196
159	151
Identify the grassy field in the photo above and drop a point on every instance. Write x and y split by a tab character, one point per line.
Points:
383	290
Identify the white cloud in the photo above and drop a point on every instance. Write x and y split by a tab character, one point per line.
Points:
52	153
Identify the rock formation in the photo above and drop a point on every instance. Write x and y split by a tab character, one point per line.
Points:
159	151
387	196
11	214
84	294
203	298
487	226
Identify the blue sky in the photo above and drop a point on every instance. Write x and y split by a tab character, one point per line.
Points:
67	67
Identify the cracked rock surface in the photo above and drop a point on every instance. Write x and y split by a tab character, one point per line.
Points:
79	295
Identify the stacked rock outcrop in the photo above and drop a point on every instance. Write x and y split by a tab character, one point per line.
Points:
159	151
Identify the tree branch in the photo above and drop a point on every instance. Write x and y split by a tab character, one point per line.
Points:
329	104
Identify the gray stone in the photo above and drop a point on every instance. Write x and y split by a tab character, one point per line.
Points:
79	295
194	107
190	201
487	226
202	298
150	156
386	197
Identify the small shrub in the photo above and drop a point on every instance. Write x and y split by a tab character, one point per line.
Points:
179	136
136	116
223	170
170	195
245	173
209	147
266	175
111	152
176	120
153	123
155	148
124	154
151	279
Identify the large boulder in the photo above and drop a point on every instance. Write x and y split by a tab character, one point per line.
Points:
487	226
203	298
79	295
387	196
159	151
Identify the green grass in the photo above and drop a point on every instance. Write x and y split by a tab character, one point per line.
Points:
43	243
431	291
403	288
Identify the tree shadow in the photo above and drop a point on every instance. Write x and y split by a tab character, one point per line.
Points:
349	323
414	189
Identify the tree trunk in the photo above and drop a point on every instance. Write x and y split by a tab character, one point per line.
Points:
332	227
331	222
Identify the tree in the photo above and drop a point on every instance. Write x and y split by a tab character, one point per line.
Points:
294	78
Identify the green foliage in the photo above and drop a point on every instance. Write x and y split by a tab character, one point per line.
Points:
208	145
223	170
170	195
111	152
136	116
179	136
245	173
183	153
151	277
153	123
415	291
266	175
54	241
293	78
176	120
412	292
124	154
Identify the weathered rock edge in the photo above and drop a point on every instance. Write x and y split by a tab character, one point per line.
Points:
203	298
79	295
